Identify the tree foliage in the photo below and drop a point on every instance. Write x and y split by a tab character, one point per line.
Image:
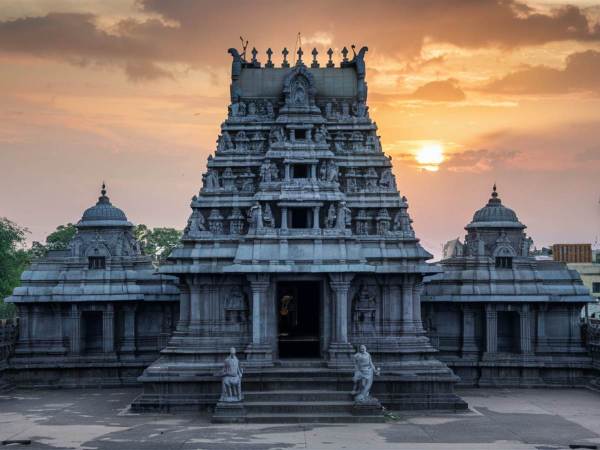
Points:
13	260
157	242
60	238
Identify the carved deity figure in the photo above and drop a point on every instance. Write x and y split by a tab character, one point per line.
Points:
225	143
331	216
344	217
329	111
265	171
211	180
364	370
251	109
255	217
268	219
231	385
345	110
241	142
321	135
238	109
298	92
276	135
371	182
387	180
215	222
332	172
526	246
269	110
229	180
195	223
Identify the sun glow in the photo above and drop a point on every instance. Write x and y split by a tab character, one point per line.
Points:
430	156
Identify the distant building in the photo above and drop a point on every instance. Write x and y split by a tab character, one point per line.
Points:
590	275
572	253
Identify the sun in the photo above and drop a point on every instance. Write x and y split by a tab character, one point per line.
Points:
430	156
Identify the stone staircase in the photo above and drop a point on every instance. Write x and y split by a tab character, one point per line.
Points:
300	391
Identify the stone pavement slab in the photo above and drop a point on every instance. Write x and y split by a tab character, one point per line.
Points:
541	419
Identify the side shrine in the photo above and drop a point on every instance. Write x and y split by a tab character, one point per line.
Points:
298	249
96	313
500	317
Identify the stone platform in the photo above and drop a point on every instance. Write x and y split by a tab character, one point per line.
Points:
523	419
298	392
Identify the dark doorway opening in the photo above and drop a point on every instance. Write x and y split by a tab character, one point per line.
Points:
509	332
298	315
91	331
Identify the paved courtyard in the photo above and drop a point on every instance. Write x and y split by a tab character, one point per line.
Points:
544	419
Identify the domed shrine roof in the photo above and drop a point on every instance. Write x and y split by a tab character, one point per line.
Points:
103	213
495	215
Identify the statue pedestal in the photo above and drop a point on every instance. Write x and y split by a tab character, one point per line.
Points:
229	412
369	407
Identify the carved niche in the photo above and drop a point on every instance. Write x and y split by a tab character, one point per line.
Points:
299	88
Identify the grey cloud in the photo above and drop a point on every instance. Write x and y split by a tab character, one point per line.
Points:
580	74
196	33
440	91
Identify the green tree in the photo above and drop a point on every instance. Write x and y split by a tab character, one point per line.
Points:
60	238
157	242
14	258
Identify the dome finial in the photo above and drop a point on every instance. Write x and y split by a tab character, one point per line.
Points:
494	193
103	190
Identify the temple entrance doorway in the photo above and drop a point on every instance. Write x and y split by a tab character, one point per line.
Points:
298	309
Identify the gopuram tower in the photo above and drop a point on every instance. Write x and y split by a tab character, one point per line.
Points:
299	248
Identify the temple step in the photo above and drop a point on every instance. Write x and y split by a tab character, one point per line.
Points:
298	395
300	406
312	418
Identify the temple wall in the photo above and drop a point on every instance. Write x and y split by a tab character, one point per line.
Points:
509	344
89	343
8	338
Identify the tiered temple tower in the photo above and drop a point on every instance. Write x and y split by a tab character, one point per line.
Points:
299	246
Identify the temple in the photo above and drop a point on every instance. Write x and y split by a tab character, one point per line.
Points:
498	316
94	314
298	251
299	247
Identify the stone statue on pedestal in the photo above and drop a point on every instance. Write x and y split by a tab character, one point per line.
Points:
364	369
232	379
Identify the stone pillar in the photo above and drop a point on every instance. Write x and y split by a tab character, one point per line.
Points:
407	321
525	330
316	224
75	316
24	325
129	331
340	350
542	342
284	217
108	328
195	306
416	306
491	328
575	326
313	172
259	352
469	345
184	308
287	172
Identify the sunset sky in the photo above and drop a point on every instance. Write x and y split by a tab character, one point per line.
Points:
465	93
